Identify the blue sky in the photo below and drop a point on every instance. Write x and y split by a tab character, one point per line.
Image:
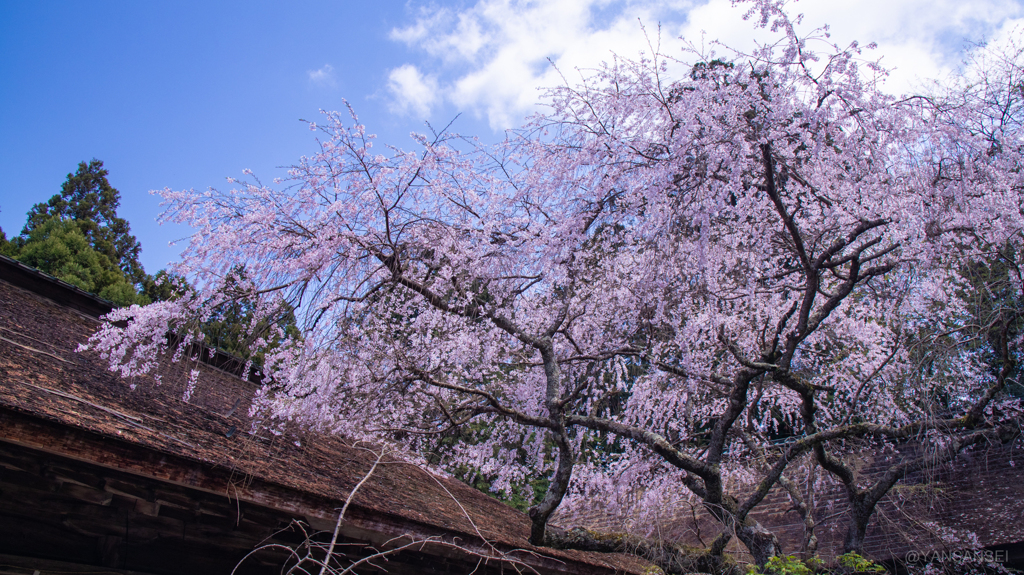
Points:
183	94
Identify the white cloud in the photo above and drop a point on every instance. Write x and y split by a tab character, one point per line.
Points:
411	91
427	21
323	77
463	39
491	58
917	39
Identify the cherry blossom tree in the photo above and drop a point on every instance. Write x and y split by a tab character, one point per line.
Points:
641	291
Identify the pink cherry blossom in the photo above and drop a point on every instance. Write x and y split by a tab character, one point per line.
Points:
644	290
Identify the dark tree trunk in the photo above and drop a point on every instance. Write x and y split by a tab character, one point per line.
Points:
855	534
540	513
762	543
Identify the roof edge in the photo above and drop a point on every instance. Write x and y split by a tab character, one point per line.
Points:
65	294
57	290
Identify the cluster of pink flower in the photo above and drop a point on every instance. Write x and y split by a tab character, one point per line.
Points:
658	281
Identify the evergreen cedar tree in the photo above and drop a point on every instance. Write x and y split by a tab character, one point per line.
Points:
88	199
78	237
639	293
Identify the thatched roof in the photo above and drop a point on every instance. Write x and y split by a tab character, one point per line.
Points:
201	463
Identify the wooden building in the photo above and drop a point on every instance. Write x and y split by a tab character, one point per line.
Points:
104	475
100	474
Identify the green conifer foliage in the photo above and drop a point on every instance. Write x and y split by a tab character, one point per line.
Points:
88	199
61	249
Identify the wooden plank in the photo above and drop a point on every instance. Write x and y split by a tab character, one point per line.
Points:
87	494
19	565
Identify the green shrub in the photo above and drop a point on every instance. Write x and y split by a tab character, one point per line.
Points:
847	564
